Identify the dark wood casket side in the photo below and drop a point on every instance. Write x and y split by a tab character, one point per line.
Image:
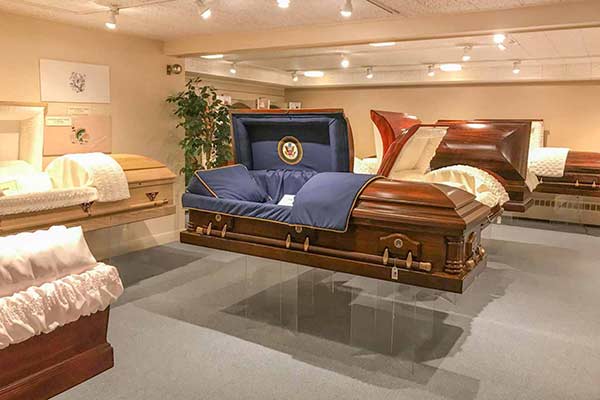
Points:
409	232
50	363
582	170
498	148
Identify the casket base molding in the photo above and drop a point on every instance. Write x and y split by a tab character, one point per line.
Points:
49	364
451	282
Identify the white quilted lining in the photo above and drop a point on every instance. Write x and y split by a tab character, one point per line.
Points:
366	165
548	161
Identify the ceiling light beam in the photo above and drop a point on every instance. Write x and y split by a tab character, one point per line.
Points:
347	9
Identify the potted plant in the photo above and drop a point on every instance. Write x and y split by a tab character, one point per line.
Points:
205	119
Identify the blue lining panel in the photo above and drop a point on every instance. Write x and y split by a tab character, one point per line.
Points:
267	211
324	139
327	199
231	182
278	182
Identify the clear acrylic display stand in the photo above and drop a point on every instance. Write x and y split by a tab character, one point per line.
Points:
362	319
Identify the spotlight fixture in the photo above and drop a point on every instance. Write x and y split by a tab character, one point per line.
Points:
203	9
212	56
451	67
382	44
233	69
369	73
174	69
467	53
112	18
314	74
283	3
431	70
346	10
295	76
345	63
516	67
499	38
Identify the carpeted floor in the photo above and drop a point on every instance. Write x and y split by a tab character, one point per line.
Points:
201	324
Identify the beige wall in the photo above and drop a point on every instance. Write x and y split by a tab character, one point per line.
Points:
570	110
141	120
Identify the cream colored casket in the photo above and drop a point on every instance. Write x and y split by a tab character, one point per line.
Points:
151	195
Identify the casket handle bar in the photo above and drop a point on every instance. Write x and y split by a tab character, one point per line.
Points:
408	263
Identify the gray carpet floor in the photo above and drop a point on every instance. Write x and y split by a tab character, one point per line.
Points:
195	323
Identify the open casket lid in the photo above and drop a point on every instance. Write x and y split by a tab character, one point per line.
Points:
311	139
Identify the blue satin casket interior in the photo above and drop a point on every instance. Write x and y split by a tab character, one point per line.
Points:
319	175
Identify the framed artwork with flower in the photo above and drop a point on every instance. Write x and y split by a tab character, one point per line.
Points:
71	82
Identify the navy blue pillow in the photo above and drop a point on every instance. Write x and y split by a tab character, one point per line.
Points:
232	182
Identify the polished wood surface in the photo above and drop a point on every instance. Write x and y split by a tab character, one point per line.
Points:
392	125
49	364
420	228
500	149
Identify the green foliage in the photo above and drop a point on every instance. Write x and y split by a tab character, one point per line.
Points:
205	119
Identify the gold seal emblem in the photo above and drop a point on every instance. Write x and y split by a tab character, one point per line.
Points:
290	150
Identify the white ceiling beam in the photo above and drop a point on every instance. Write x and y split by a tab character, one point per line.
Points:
560	16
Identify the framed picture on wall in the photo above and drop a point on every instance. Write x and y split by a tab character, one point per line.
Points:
262	103
70	82
294	105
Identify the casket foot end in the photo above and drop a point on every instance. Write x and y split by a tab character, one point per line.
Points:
454	268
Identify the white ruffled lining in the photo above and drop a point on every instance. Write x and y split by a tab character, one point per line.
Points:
42	201
42	309
487	189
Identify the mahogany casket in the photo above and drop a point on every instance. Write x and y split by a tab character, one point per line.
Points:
422	234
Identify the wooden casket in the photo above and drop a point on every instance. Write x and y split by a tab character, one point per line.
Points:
499	148
416	233
151	196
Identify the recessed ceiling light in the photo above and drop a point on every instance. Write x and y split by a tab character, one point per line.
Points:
233	69
112	19
346	10
451	67
283	3
382	44
345	63
516	67
213	56
314	74
499	38
204	10
369	73
430	70
295	76
467	53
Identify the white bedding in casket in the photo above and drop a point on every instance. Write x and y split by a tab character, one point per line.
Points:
413	165
69	180
548	161
50	280
49	200
92	170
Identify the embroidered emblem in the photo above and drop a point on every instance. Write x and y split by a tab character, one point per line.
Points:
290	150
